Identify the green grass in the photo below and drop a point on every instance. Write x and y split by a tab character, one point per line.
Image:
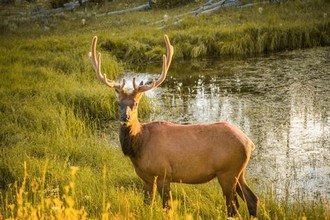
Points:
55	116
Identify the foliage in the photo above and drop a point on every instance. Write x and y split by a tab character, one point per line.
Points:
58	3
7	1
170	3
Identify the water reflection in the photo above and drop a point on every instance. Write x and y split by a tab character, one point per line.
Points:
281	101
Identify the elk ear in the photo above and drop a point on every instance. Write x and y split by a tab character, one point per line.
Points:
137	96
119	93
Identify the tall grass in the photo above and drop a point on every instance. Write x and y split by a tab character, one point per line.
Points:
58	125
54	115
243	32
118	195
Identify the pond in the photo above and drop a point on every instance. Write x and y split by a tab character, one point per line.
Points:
281	101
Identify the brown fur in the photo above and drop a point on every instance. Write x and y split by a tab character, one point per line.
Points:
130	144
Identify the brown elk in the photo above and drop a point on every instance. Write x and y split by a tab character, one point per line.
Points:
180	153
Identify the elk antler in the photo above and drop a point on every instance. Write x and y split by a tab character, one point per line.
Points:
96	62
166	65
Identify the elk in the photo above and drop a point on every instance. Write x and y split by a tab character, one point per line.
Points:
192	154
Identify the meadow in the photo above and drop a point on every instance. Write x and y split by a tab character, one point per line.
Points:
58	125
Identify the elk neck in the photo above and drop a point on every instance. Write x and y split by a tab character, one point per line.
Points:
130	136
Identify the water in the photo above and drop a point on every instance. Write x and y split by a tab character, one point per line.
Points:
281	101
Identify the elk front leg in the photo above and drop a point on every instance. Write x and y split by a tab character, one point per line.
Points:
163	187
147	192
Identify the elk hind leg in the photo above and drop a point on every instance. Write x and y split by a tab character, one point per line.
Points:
244	191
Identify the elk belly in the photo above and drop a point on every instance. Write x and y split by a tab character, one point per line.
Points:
192	177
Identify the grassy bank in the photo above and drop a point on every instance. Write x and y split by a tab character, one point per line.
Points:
55	114
234	32
58	125
135	38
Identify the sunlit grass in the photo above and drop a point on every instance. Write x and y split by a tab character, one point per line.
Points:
111	193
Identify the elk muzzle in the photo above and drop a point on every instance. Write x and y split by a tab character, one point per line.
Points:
125	114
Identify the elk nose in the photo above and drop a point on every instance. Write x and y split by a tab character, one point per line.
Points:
125	115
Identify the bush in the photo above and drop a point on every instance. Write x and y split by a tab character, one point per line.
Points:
7	1
58	3
170	3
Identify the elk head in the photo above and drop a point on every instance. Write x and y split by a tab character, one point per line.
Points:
129	99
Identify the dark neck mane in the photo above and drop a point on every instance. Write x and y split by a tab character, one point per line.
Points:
131	139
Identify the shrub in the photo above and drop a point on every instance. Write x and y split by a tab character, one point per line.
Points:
170	3
58	3
7	1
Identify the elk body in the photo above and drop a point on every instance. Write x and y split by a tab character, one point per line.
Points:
180	153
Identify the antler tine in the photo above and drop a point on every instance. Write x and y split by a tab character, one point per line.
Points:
166	65
135	86
170	51
96	62
122	84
